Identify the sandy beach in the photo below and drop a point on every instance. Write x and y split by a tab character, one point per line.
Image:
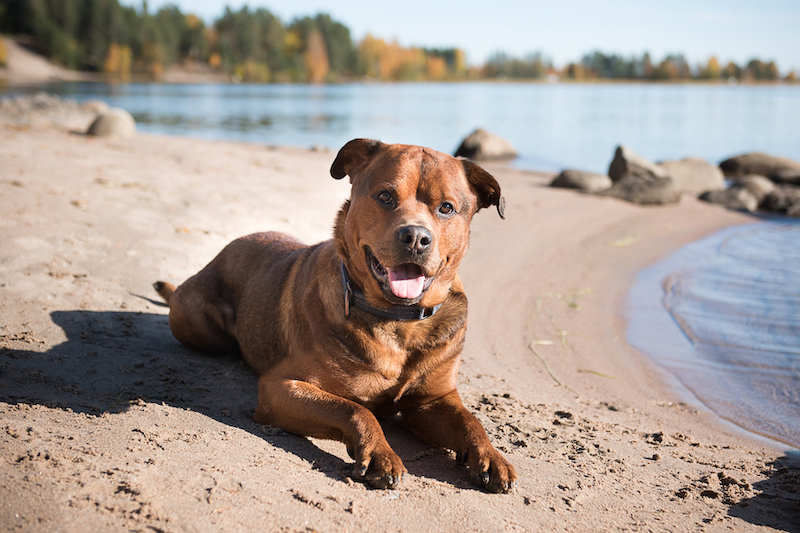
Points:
109	424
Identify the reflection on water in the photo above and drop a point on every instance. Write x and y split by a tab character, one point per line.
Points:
230	124
553	126
736	298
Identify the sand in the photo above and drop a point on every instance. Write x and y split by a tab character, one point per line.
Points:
108	424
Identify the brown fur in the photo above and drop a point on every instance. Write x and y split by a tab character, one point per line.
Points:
324	374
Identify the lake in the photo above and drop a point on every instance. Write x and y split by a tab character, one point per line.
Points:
553	126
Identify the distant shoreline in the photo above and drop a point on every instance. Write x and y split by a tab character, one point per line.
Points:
26	68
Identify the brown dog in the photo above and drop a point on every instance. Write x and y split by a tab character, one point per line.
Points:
370	323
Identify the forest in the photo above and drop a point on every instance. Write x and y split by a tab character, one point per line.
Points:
254	45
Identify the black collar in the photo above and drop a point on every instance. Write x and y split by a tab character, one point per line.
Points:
357	299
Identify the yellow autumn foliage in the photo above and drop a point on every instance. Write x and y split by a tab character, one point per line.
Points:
3	52
316	58
118	60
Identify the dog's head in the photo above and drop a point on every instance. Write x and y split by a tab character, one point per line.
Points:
405	228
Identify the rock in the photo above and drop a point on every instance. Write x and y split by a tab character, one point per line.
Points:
694	175
645	191
786	176
584	181
784	199
627	162
481	145
758	186
735	197
757	163
116	123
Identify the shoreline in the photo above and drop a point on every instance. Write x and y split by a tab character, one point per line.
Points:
96	395
679	355
676	352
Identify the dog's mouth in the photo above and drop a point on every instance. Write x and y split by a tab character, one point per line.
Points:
406	282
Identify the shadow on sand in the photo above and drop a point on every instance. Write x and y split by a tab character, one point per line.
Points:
111	359
777	503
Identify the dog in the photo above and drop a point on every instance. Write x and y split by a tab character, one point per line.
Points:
363	326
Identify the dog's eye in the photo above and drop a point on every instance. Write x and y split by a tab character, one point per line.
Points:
385	197
447	208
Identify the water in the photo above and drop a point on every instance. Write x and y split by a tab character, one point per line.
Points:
553	126
723	315
731	330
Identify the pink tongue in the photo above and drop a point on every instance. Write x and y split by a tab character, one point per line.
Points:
406	280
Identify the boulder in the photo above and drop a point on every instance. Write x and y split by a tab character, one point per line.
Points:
757	163
694	175
735	197
116	123
480	145
645	191
758	186
584	181
786	176
784	199
627	162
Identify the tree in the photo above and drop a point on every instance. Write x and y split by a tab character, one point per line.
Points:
342	55
118	60
713	70
316	57
501	65
732	70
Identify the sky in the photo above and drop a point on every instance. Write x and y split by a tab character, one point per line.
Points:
563	30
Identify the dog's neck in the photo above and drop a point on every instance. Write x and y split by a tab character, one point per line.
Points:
357	299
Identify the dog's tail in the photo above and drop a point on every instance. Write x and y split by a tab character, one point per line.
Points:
164	289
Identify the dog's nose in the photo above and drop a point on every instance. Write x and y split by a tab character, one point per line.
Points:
416	239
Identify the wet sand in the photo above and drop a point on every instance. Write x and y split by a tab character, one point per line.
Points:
107	423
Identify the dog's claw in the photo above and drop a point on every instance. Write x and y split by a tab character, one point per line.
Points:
388	481
490	471
380	471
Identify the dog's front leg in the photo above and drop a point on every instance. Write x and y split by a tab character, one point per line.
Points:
304	409
445	422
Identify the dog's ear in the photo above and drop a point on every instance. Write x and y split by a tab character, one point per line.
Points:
485	186
353	157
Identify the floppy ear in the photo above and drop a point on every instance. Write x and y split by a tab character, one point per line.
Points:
353	157
485	186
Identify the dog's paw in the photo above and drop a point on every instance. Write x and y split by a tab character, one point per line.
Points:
381	469
488	469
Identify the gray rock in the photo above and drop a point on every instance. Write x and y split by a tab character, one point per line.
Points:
784	199
480	145
584	181
694	175
786	176
735	197
645	191
627	162
757	163
116	123
758	186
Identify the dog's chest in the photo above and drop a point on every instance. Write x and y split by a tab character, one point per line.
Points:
379	363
